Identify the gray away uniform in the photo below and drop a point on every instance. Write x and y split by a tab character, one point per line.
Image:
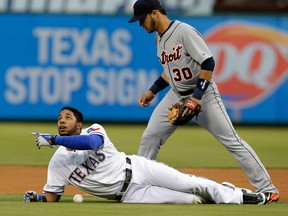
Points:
181	51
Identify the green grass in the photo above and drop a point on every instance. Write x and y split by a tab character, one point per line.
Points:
95	206
189	146
195	147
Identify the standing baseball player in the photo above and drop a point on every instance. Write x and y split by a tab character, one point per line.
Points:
188	65
88	160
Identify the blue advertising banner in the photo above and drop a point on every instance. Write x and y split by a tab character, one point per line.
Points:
98	64
102	64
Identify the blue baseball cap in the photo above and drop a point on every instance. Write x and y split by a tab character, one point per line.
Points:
143	7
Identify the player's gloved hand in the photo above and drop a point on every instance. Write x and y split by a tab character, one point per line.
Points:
43	139
32	196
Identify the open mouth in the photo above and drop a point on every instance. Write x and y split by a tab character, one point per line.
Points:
62	128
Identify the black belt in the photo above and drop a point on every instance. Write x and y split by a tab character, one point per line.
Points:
128	176
185	93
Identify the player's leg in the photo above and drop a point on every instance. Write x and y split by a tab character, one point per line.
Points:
158	128
152	173
154	194
216	120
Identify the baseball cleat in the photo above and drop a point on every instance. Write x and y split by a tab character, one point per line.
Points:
254	198
271	197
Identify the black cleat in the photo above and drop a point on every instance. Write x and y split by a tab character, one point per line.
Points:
254	198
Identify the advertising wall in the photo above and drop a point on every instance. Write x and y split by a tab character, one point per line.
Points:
102	64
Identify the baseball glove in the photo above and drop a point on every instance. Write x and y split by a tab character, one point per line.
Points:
175	113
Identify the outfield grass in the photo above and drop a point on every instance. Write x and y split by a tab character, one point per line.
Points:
190	146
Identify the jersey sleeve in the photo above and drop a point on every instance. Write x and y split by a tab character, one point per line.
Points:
95	129
55	181
195	45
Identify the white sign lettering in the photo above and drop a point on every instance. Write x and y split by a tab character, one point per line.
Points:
52	85
118	86
36	84
70	46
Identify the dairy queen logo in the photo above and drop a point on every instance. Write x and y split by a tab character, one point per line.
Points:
251	62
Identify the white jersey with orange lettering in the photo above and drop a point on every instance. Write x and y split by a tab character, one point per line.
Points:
107	173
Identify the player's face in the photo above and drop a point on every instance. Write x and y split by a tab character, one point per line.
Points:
148	23
67	124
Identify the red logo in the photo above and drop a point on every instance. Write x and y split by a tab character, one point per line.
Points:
251	61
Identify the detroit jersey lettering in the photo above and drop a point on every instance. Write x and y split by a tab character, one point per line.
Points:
180	58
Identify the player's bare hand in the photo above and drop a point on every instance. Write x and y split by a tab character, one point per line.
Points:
146	98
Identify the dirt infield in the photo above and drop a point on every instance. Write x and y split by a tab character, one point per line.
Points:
18	179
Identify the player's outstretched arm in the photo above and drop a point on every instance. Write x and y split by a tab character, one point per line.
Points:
79	142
